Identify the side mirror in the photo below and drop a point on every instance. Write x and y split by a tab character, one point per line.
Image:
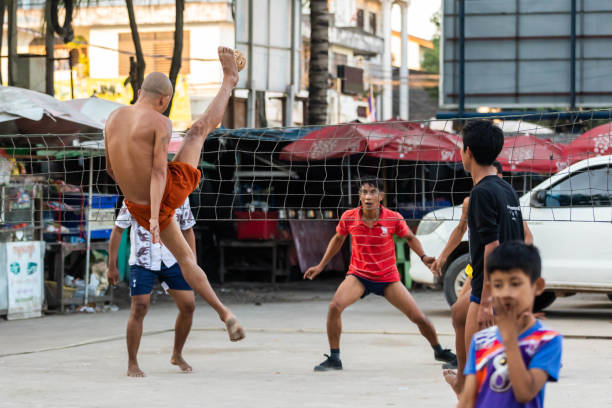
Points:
538	198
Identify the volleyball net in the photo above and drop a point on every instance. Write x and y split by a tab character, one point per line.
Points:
53	184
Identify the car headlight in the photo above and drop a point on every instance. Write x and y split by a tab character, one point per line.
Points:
428	226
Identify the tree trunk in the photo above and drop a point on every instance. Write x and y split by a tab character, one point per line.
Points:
318	68
137	72
12	42
49	51
177	53
2	10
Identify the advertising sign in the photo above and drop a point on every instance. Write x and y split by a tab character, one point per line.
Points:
24	266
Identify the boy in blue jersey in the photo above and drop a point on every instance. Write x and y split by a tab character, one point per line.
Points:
509	364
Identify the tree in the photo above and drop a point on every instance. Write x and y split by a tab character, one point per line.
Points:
53	26
2	10
137	67
12	42
318	66
177	53
431	59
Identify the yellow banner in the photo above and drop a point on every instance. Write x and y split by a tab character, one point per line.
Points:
113	89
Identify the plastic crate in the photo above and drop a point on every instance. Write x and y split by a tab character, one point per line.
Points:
257	224
98	200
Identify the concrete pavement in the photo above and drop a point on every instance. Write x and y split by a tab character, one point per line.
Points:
79	360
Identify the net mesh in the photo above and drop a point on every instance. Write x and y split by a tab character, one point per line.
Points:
313	173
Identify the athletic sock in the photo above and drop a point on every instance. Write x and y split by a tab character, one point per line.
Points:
437	348
335	354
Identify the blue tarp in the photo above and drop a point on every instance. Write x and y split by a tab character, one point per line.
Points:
269	135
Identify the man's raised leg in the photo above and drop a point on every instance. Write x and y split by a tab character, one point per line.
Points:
397	294
191	149
185	302
139	308
349	291
174	240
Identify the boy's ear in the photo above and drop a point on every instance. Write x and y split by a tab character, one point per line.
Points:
381	196
540	284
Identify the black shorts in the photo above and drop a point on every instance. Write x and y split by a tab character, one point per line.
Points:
377	288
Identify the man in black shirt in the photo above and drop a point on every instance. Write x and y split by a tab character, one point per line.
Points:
494	216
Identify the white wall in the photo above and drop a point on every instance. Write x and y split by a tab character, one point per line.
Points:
204	40
414	54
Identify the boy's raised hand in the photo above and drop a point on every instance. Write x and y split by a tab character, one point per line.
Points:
509	319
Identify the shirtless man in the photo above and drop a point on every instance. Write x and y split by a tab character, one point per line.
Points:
136	140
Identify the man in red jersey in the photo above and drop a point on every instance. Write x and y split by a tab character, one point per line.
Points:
372	269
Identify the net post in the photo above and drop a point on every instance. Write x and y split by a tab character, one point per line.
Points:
350	189
88	245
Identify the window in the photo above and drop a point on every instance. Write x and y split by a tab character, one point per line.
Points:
360	18
338	59
373	23
592	187
153	43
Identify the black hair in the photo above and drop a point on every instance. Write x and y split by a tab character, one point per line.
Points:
373	181
484	139
516	255
498	166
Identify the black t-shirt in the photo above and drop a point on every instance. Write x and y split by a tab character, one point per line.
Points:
494	213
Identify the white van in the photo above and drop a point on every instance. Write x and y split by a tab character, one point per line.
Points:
570	215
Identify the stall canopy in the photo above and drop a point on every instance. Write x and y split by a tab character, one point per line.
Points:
527	153
94	108
29	112
594	142
393	140
421	144
327	143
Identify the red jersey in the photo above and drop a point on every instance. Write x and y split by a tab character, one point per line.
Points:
373	256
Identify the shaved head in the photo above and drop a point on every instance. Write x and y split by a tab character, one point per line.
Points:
157	83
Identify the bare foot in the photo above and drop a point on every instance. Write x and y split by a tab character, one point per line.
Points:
135	371
234	329
181	363
228	63
451	378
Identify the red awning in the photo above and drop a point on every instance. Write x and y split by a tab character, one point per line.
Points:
531	154
415	143
337	141
390	140
594	142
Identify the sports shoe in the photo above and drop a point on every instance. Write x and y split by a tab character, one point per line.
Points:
330	363
446	356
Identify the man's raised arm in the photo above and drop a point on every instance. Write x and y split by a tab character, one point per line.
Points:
158	175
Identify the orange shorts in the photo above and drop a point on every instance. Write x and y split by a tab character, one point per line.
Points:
181	180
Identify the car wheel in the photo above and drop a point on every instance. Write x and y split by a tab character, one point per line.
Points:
454	278
543	301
